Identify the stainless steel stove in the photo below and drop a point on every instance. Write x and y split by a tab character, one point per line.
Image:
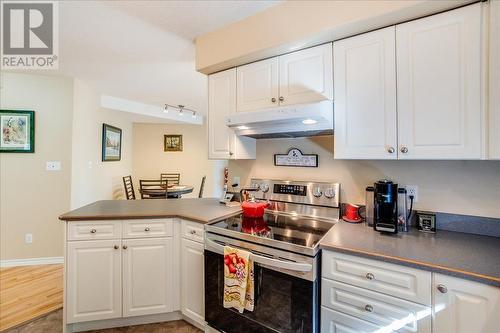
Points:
283	245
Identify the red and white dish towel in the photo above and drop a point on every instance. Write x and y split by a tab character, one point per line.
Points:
238	280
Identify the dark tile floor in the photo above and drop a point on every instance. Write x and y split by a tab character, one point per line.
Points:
52	323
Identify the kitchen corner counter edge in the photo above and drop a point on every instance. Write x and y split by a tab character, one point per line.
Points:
205	210
469	256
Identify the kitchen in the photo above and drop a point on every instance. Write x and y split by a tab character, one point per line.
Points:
313	128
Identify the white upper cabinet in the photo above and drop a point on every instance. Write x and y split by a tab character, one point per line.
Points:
439	85
462	306
257	85
147	276
494	75
222	142
365	96
306	76
299	77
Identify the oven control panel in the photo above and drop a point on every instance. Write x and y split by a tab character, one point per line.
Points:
290	189
300	192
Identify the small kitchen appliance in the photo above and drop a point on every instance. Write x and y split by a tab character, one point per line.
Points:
386	207
284	246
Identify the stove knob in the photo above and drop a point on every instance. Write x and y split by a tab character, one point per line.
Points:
317	192
330	193
264	188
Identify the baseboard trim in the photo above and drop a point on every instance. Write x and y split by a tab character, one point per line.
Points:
31	261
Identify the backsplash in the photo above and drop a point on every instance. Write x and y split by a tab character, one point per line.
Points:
455	187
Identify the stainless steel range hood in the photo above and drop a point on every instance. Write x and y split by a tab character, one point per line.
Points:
284	122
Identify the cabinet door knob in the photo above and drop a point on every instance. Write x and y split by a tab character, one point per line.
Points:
125	247
273	100
369	276
93	231
281	98
404	150
146	229
442	288
231	153
192	232
116	247
391	150
368	308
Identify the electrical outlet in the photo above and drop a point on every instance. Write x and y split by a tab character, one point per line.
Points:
412	190
28	238
53	166
236	180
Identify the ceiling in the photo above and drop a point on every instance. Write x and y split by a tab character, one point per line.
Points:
190	18
143	50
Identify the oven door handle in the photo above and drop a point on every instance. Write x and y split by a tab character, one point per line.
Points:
283	264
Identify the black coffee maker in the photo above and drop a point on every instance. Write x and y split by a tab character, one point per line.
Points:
385	217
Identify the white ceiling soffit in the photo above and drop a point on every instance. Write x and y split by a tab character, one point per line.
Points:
150	111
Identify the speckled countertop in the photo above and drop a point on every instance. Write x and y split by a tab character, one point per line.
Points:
463	255
200	210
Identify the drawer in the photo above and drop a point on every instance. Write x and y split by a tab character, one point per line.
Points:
337	322
90	230
147	228
193	231
383	310
396	280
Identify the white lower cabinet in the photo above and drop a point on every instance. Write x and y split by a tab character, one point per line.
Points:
147	276
93	280
355	301
465	306
192	273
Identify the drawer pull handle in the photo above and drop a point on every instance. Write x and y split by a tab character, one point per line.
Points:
369	276
442	288
192	232
125	247
93	231
368	308
147	229
116	247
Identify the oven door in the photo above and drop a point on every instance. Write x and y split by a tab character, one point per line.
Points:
286	290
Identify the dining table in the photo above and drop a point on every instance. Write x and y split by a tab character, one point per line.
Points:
172	191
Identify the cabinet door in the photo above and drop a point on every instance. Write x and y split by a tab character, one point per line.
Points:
494	72
438	81
93	283
147	276
221	103
193	303
306	76
462	306
257	85
365	96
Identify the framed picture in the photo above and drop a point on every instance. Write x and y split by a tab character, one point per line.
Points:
172	142
18	131
111	143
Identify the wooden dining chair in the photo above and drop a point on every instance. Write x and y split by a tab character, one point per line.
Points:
202	186
171	178
152	189
129	187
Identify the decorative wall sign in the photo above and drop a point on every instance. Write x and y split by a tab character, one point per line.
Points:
172	142
296	158
111	143
17	130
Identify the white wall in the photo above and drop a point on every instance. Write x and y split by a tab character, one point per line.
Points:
459	187
92	179
31	198
192	163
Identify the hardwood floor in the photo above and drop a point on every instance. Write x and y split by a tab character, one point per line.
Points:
28	292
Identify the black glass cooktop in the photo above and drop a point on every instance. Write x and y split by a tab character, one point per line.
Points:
290	229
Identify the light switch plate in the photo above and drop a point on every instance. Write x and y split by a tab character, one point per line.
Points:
53	166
